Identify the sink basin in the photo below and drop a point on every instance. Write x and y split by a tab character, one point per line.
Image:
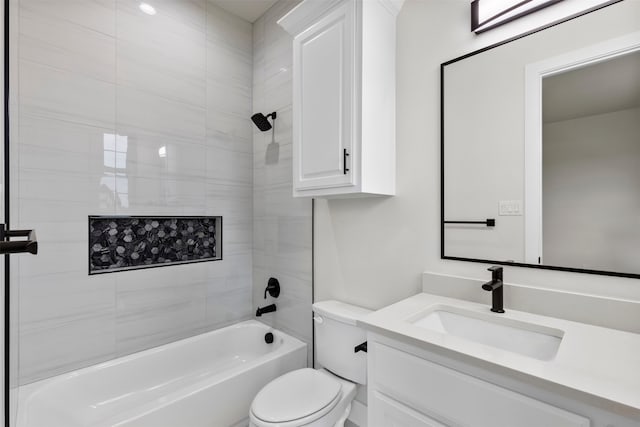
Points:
527	339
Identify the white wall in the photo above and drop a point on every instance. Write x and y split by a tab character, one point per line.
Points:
591	171
372	252
180	79
281	224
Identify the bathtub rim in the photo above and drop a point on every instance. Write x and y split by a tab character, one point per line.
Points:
25	393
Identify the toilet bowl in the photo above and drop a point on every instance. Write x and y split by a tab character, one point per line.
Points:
305	397
318	397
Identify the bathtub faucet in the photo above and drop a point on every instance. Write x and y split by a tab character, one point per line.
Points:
267	309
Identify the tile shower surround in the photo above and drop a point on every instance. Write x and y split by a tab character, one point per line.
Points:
120	113
282	225
127	243
102	88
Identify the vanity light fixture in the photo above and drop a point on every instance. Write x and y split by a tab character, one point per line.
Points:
488	14
147	8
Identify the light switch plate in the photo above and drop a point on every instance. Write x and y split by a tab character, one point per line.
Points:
510	208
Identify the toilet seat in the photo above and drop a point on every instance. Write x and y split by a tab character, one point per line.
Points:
300	396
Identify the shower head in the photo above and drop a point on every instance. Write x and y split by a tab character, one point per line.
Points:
260	120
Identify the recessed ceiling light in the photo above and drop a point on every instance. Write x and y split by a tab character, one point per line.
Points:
147	8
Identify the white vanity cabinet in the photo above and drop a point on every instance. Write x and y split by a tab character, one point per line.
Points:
343	97
411	387
385	411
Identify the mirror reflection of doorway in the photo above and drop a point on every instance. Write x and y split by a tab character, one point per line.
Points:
591	165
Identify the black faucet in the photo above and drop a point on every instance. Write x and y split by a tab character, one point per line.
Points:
495	286
267	309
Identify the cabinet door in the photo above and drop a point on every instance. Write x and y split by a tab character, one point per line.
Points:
323	101
386	412
458	398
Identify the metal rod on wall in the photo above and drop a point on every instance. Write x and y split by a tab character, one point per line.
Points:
7	210
489	222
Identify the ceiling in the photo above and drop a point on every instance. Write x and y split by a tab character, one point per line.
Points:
249	10
606	86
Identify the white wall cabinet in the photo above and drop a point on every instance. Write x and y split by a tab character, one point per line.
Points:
412	387
343	97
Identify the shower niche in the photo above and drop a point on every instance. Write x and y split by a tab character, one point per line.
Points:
119	243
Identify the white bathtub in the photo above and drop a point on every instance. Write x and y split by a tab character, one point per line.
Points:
207	380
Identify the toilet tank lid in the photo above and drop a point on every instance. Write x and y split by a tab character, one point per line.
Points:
340	311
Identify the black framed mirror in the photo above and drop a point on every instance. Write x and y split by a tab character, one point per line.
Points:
540	146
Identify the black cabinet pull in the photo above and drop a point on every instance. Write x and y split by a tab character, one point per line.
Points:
344	161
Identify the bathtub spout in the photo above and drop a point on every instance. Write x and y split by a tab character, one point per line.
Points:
267	309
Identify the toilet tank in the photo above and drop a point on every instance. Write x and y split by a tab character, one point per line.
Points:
336	337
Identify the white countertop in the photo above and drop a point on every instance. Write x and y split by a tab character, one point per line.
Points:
603	363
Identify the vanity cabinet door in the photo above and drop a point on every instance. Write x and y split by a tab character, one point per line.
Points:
456	398
389	413
323	101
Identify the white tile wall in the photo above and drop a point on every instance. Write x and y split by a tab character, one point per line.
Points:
182	80
281	224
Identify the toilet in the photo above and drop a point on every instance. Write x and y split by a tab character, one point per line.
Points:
318	397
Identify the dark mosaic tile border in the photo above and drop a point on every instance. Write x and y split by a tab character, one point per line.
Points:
118	243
